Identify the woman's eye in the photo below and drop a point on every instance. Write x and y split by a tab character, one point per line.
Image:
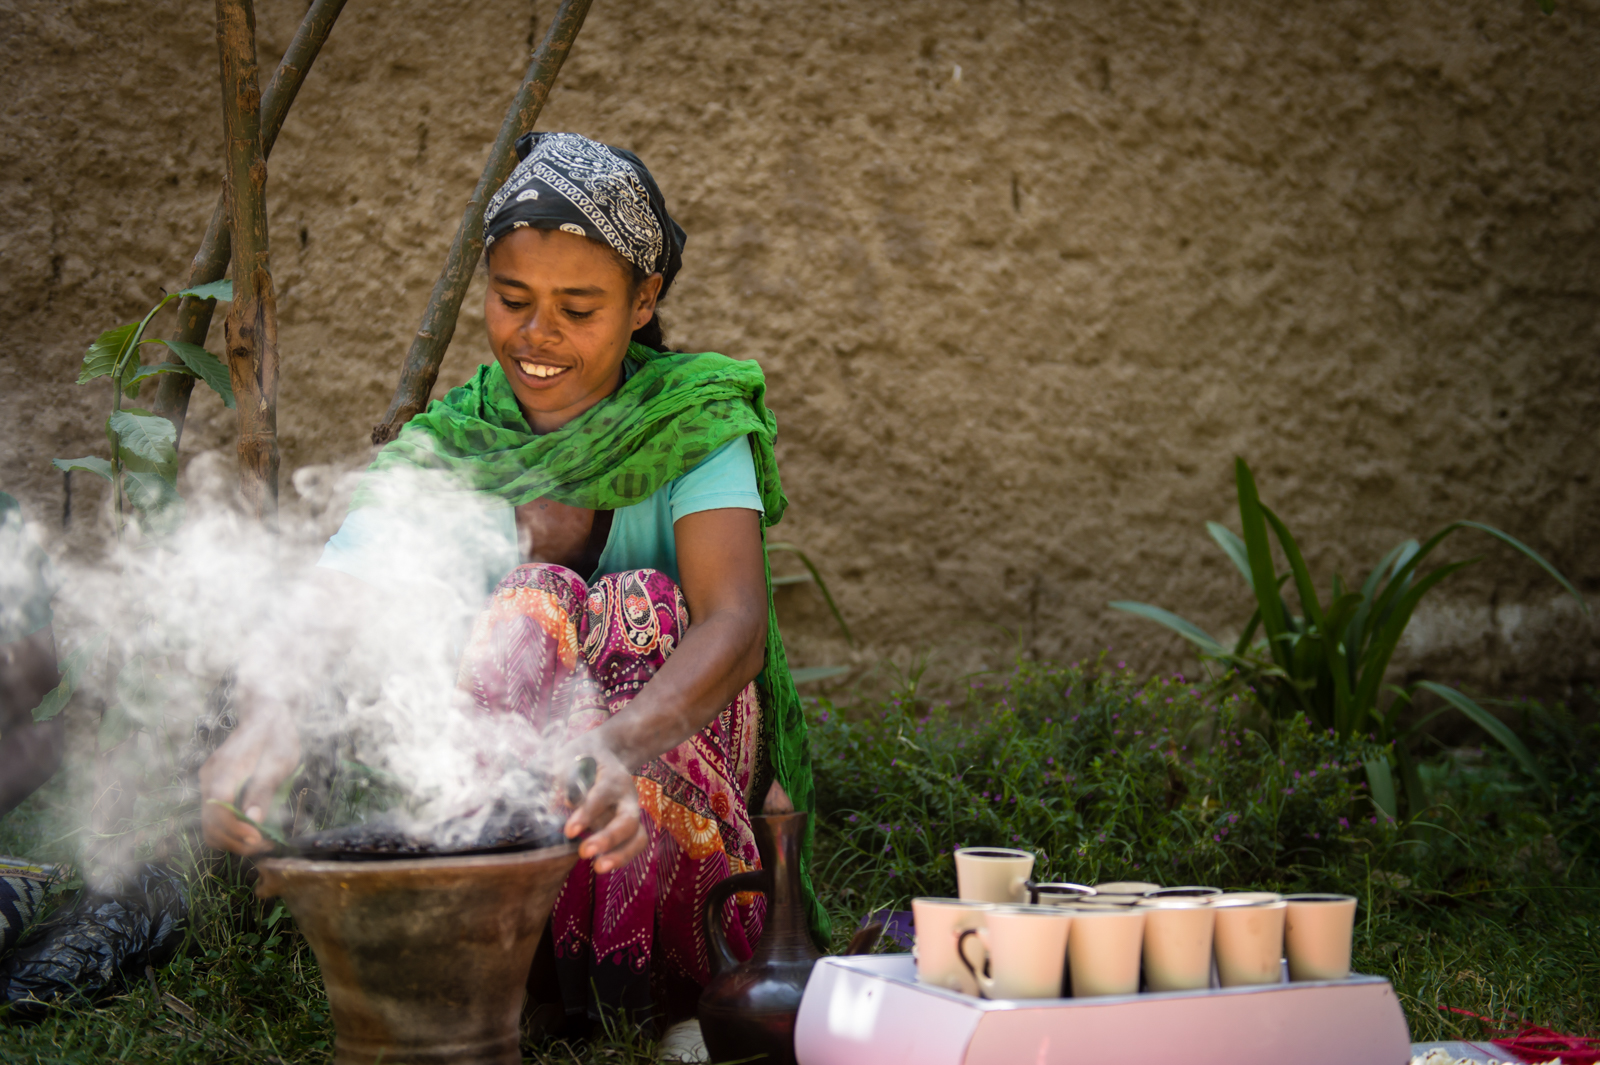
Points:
580	315
511	305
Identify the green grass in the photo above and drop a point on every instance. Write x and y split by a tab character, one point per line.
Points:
1487	903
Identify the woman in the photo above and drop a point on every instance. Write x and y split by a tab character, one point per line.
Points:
627	489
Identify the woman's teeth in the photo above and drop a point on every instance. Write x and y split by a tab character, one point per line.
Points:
534	369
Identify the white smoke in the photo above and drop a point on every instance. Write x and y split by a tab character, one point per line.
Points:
368	668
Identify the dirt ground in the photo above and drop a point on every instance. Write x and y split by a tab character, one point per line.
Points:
1024	277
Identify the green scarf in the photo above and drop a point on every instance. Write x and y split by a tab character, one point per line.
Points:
673	412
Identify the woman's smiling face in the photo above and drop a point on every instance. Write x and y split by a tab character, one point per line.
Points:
560	311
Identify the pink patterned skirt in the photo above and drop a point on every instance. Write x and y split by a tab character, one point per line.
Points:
565	655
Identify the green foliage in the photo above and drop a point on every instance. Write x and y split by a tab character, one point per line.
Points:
143	468
1485	900
1328	662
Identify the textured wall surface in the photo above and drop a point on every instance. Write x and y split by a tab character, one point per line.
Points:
1024	276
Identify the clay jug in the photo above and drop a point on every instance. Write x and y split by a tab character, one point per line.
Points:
748	1008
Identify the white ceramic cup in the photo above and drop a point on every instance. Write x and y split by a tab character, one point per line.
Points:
1104	949
1177	943
1026	948
1249	941
1316	936
993	874
939	922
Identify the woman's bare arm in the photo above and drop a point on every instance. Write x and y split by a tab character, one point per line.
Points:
723	577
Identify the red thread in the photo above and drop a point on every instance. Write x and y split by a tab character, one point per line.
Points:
1536	1044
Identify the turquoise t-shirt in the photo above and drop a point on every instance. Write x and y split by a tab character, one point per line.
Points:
474	542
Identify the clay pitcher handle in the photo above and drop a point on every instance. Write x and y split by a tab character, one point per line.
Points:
722	957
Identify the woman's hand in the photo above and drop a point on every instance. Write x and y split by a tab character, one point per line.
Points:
611	811
246	771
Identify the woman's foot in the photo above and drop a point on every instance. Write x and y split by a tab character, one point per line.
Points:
683	1043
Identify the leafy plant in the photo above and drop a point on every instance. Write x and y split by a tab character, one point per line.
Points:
143	467
1329	662
808	674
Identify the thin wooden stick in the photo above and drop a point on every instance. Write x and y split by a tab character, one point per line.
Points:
252	326
211	261
438	326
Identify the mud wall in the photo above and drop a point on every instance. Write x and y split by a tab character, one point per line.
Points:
1024	276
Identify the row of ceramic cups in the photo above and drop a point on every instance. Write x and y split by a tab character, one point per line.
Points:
992	942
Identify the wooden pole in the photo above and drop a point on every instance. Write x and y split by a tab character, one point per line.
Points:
252	325
211	261
421	368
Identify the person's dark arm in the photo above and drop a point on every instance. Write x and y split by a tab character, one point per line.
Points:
247	769
30	751
723	577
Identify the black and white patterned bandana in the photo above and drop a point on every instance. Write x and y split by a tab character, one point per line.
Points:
568	182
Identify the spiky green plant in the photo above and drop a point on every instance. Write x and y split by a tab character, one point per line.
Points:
1329	662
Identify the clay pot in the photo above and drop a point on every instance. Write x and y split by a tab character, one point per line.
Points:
748	1008
425	959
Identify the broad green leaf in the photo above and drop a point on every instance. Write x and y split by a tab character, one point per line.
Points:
1183	627
138	376
1380	781
1490	724
115	727
72	668
55	700
812	673
212	290
1234	548
205	366
89	464
149	436
106	351
150	493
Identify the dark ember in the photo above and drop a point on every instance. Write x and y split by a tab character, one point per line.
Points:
505	829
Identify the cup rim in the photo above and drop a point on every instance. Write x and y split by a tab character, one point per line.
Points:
1175	902
933	900
1128	887
1277	905
995	854
1048	887
1245	898
1024	909
1319	898
1187	891
1102	910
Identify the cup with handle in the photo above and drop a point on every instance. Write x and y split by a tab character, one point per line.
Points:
939	923
993	874
1026	948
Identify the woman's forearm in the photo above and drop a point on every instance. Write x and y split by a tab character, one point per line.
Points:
714	662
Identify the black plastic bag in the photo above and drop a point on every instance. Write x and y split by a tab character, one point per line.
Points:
83	949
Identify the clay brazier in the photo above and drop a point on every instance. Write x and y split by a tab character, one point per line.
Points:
425	959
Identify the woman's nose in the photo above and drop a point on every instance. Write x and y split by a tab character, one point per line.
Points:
540	326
